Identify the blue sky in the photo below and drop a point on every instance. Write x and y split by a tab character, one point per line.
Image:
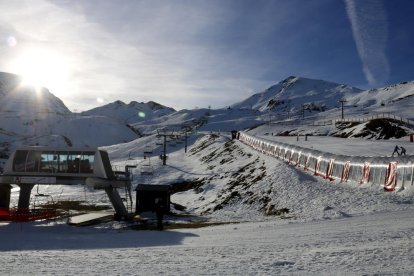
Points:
193	53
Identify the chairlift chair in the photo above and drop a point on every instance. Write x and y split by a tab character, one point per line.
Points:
146	170
38	195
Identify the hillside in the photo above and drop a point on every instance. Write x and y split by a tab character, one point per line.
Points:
223	179
396	99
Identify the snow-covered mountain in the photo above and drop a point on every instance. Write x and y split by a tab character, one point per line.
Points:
31	116
37	117
397	99
133	112
26	100
26	111
294	93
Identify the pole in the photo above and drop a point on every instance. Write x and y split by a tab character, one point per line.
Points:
186	130
164	157
342	101
185	143
164	153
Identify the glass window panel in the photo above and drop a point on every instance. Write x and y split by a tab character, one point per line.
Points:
62	162
19	162
32	161
86	165
48	162
73	161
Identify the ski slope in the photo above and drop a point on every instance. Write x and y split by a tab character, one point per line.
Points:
331	229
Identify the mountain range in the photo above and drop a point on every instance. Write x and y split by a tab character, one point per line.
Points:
36	117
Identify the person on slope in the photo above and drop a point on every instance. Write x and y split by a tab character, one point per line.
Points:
403	151
396	150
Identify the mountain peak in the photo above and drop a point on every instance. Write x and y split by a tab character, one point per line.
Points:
129	112
290	79
293	93
118	102
23	99
155	106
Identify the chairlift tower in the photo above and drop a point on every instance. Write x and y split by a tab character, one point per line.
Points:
342	101
164	154
186	130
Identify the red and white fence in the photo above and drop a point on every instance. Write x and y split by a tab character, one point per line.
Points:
386	172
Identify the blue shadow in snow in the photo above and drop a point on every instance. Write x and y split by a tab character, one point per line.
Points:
32	236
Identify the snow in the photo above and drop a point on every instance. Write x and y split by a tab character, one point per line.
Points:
262	215
371	244
352	147
331	229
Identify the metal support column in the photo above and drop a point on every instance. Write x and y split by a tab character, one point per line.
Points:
120	210
24	197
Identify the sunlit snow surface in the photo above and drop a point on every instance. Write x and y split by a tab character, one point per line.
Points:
332	228
371	244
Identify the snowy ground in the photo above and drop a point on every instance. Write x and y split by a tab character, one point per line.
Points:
362	245
331	228
352	146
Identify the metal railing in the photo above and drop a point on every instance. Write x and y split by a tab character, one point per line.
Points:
377	116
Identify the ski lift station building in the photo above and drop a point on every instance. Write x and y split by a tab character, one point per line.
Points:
31	166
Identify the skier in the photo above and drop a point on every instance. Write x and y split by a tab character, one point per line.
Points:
396	150
403	151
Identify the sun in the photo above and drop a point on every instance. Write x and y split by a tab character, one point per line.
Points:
43	68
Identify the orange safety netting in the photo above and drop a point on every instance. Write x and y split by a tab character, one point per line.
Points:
365	173
391	177
345	171
13	215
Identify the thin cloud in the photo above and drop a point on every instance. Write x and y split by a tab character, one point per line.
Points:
167	58
179	53
370	30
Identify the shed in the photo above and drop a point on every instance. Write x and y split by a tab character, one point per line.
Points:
151	197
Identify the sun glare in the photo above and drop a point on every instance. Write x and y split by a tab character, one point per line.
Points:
43	68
